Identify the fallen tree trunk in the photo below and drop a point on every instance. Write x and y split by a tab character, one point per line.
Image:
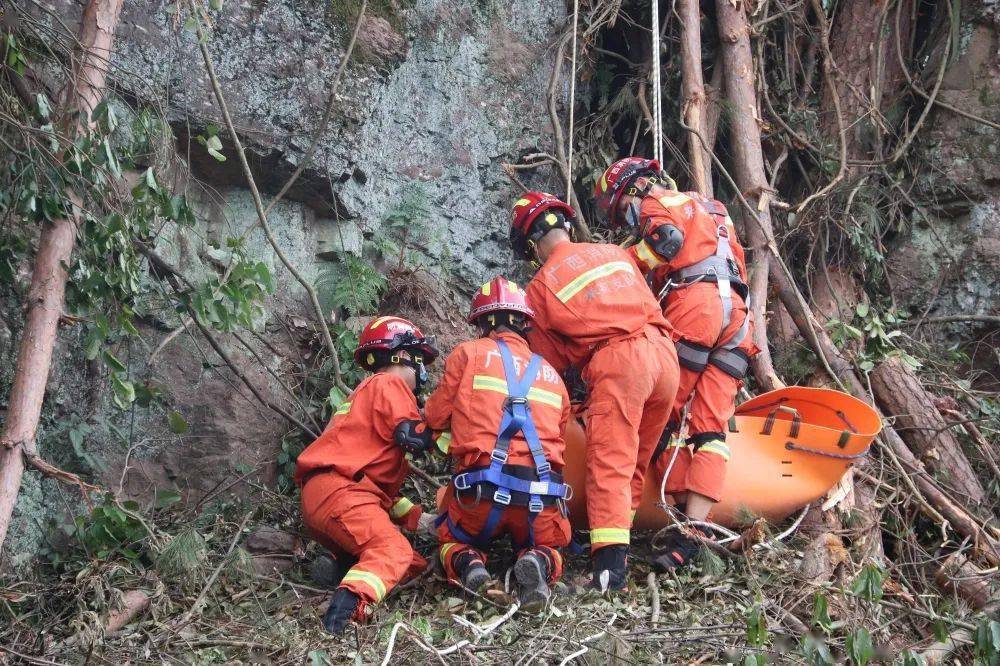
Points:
48	279
929	495
737	58
900	394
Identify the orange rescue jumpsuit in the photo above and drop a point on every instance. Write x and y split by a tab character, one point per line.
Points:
350	479
469	400
695	311
594	311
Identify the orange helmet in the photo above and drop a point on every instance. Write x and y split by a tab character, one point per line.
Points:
384	335
527	210
499	295
616	181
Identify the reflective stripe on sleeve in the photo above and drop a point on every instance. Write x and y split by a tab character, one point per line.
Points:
596	273
609	535
647	255
369	579
400	508
444	441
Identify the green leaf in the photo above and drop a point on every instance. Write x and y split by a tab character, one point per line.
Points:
316	657
113	362
756	627
165	498
215	4
214	145
821	613
191	24
868	584
178	425
862	309
859	647
911	658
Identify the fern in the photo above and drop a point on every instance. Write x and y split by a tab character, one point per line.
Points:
352	284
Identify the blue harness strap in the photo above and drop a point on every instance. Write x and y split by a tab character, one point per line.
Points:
516	419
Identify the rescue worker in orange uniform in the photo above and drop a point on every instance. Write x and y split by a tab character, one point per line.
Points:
351	475
594	311
506	410
688	247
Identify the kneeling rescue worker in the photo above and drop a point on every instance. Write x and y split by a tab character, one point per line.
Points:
351	475
688	245
592	310
507	410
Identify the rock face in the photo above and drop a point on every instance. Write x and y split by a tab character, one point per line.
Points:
949	263
437	95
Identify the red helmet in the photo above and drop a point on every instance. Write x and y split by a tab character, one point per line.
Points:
499	294
389	334
527	210
615	182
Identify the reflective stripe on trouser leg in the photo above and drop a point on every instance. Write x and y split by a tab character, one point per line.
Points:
356	576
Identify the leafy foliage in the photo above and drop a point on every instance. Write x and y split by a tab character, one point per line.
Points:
111	529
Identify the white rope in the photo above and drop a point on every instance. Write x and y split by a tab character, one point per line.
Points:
572	106
481	632
657	112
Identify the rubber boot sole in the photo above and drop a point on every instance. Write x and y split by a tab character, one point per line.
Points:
532	590
476	578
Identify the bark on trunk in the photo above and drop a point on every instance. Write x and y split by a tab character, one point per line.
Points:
900	394
737	58
693	91
48	280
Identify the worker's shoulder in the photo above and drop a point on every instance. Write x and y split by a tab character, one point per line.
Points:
467	349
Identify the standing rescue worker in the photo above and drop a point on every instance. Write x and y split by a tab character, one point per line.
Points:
592	310
687	245
507	411
351	475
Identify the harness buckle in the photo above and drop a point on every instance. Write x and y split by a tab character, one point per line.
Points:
499	455
502	496
461	482
517	401
568	493
543	468
535	505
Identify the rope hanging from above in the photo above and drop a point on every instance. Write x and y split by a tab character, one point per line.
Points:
572	105
657	110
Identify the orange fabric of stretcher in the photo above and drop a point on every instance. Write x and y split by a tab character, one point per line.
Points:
469	400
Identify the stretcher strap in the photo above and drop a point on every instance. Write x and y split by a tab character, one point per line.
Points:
791	446
793	430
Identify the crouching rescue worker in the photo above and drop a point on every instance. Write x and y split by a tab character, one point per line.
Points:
507	411
351	475
592	310
688	246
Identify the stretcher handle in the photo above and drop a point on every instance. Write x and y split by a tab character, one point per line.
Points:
793	430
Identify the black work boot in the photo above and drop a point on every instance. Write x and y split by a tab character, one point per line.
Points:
470	568
344	605
610	568
327	572
532	573
678	552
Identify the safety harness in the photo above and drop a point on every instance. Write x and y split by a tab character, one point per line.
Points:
508	488
721	268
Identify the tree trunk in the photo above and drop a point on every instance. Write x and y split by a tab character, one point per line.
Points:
737	58
55	246
928	434
693	91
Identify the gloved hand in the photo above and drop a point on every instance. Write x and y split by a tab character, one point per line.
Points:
426	524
